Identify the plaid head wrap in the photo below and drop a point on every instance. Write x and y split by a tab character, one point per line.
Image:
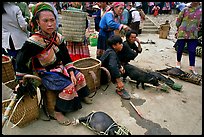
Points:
35	9
41	6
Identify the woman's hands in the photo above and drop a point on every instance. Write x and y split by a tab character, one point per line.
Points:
126	28
73	78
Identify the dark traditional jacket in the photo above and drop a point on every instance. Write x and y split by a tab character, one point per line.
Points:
128	52
110	61
28	59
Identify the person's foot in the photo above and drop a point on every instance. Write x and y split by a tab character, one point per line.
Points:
61	119
123	94
193	70
87	100
178	64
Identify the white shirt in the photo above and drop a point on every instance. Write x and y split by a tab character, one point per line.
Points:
135	15
14	25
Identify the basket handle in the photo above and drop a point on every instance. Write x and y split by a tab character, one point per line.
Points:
109	77
93	75
14	97
27	76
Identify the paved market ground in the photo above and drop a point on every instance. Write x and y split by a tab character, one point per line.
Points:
173	113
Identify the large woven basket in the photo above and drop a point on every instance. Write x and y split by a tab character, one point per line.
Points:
27	109
8	73
89	66
73	25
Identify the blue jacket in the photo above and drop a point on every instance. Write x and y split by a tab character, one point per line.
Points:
108	24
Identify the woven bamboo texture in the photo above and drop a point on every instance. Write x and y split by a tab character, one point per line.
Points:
27	106
86	65
73	25
8	73
11	84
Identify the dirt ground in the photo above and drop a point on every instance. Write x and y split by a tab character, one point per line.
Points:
163	113
173	113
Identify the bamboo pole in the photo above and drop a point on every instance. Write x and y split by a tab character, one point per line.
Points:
6	113
136	109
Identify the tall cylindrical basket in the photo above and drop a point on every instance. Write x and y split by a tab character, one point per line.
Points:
8	72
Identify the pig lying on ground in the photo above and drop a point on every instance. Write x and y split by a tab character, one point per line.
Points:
102	124
163	79
172	71
140	76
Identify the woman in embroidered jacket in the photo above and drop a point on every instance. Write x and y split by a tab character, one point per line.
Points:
47	52
109	22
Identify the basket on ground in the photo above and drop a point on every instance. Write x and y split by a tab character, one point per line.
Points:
73	25
91	68
27	110
8	73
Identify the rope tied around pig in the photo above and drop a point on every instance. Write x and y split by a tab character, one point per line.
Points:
122	130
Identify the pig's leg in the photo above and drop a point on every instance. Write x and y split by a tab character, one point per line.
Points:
137	85
143	86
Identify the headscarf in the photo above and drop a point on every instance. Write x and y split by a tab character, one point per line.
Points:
41	6
35	9
116	4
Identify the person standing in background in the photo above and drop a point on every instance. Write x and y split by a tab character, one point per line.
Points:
156	10
78	50
97	16
135	18
104	8
24	9
166	8
109	22
150	6
14	30
187	23
125	16
145	7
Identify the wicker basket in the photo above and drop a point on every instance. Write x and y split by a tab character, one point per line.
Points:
88	66
73	25
27	106
11	84
8	73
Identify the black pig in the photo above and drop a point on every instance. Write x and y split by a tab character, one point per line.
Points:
102	124
140	76
162	78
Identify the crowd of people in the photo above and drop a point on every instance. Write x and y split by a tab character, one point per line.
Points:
30	37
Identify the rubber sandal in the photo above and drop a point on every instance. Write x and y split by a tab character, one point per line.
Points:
64	121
